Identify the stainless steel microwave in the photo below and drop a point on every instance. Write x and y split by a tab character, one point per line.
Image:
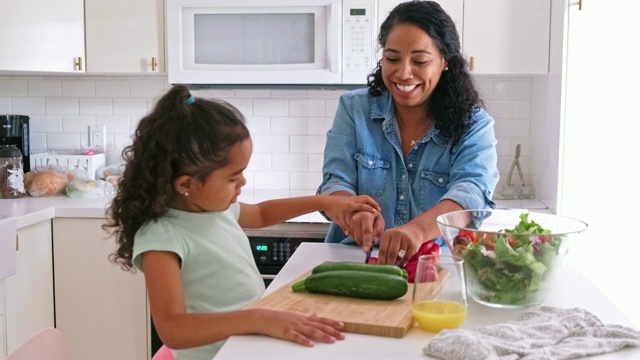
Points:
271	42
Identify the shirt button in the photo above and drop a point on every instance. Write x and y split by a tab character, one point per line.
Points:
440	180
410	166
401	197
370	162
404	177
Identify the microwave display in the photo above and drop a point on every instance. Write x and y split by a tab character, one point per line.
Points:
358	12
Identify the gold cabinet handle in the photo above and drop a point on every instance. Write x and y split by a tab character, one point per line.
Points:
470	63
579	4
154	64
78	63
17	243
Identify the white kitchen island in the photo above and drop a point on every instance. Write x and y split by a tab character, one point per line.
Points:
572	290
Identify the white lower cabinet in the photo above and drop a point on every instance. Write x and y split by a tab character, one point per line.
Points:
29	292
101	310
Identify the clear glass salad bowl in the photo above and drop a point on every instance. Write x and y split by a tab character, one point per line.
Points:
511	256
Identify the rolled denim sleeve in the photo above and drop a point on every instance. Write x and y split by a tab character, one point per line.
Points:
474	173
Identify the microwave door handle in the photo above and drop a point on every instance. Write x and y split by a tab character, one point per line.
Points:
334	37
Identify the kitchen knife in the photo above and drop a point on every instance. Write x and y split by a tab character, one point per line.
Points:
368	256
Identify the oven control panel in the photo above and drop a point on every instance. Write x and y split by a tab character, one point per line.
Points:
272	252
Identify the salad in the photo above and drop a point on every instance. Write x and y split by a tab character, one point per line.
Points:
511	266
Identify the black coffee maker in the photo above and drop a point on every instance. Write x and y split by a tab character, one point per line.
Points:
14	130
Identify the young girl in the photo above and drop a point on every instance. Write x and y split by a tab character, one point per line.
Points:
176	218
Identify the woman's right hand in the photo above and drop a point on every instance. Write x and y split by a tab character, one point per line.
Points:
366	228
298	328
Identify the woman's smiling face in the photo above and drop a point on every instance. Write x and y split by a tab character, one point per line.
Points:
411	65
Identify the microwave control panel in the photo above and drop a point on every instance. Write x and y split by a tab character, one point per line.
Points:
358	36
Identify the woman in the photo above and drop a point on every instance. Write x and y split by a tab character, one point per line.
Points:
416	140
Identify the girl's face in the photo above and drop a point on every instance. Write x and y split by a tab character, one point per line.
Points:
411	65
222	186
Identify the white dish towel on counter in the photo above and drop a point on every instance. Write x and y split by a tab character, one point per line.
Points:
546	333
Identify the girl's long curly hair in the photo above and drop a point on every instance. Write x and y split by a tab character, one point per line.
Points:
181	136
455	98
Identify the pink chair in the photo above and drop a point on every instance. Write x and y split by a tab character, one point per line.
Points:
47	344
164	353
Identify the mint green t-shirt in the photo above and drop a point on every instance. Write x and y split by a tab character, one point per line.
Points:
218	271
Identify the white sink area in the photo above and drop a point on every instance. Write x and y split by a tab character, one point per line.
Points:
7	246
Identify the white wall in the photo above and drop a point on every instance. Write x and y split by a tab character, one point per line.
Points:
288	126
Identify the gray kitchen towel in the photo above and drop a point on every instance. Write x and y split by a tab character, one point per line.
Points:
546	333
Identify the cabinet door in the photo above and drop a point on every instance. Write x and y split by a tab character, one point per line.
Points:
41	35
29	292
101	310
125	36
506	36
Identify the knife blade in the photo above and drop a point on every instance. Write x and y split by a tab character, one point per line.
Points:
367	256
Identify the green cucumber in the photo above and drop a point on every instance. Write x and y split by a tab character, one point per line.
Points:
356	266
355	284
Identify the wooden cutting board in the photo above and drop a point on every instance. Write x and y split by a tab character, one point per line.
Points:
390	318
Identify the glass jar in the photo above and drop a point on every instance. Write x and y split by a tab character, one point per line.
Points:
11	173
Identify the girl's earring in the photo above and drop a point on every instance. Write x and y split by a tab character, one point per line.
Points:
186	193
446	68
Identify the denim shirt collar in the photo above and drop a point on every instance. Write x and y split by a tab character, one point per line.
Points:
382	108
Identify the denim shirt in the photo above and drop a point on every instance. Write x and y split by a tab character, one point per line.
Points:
363	155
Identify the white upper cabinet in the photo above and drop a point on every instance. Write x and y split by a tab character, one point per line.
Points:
453	7
507	36
42	35
125	36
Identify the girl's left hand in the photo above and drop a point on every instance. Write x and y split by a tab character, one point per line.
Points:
341	208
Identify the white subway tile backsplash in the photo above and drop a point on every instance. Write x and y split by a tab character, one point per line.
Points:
64	141
147	88
130	106
306	107
270	143
271	107
271	180
318	125
78	88
96	106
28	106
258	124
114	124
45	88
13	87
307	144
5	106
289	162
309	180
288	125
260	162
77	124
45	124
112	88
62	106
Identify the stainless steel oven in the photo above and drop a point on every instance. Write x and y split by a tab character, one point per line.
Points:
273	246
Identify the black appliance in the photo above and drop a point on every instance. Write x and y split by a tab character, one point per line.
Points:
14	130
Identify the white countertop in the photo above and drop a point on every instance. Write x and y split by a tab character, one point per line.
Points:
572	290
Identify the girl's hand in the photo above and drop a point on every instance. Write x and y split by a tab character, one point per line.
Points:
407	237
340	209
298	328
366	228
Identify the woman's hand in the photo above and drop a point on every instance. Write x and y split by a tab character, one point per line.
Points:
298	328
366	228
341	209
399	243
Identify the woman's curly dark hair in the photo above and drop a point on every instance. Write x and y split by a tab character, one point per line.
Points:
455	98
181	136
